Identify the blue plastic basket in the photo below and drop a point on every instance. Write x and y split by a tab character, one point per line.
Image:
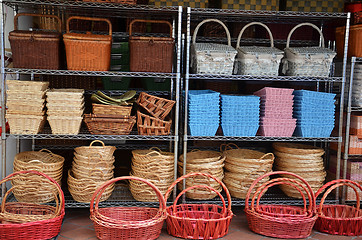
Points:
312	100
314	94
203	129
312	130
240	130
237	99
242	121
202	95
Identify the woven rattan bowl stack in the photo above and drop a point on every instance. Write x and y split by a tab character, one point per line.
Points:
210	162
304	160
243	166
92	166
25	102
65	110
155	166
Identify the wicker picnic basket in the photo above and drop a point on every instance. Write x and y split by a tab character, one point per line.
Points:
339	219
156	106
198	221
307	61
151	54
147	125
127	222
281	221
212	58
35	49
257	60
88	52
21	220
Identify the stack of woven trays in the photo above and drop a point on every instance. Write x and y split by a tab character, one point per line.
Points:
155	121
239	115
37	191
92	166
203	112
210	162
155	166
243	166
25	103
356	98
276	111
65	110
314	112
303	160
110	119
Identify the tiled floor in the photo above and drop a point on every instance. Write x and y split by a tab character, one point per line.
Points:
78	226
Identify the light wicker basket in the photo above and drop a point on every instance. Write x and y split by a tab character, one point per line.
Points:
102	109
106	152
26	86
25	124
65	125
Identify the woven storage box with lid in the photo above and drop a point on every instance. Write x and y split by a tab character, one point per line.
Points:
307	61
35	49
151	54
212	58
256	60
88	52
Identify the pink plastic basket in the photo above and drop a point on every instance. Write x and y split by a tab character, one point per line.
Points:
276	130
278	121
274	91
279	115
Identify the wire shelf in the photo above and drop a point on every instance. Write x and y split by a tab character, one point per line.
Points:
262	138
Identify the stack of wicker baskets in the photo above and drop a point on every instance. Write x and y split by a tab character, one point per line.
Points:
210	162
65	110
243	166
92	166
37	191
157	167
25	102
303	160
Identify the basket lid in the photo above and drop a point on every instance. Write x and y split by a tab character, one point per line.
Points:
310	50
214	47
260	50
87	36
36	34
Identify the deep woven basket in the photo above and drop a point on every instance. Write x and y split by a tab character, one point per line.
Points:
156	106
101	124
102	109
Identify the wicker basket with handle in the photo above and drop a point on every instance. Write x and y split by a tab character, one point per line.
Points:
88	52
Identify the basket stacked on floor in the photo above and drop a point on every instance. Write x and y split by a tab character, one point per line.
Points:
210	162
23	220
243	166
158	109
25	102
304	160
203	112
239	115
276	112
92	166
43	161
65	110
155	166
314	112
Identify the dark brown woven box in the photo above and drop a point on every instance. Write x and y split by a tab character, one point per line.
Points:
148	125
104	125
35	49
151	54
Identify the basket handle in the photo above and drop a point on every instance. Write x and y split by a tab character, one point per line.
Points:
305	24
168	192
223	212
59	26
224	147
91	144
211	20
266	155
46	150
149	21
94	204
90	19
255	23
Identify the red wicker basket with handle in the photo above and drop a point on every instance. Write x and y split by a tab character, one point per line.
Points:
198	221
281	221
339	219
127	222
20	220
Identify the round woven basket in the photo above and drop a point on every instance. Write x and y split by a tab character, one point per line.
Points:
144	193
93	164
152	155
295	167
93	158
297	148
306	157
202	157
299	163
106	152
239	156
95	174
44	160
152	167
246	169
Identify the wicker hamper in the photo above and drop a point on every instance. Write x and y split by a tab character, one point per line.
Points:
307	61
35	49
151	54
88	52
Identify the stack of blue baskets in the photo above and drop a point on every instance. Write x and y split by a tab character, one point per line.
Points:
240	115
203	112
314	112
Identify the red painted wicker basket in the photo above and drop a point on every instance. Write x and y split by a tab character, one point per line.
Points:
22	220
339	219
127	222
281	221
198	221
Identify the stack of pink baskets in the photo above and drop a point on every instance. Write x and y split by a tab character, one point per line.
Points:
276	111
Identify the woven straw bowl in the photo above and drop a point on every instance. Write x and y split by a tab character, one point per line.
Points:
105	151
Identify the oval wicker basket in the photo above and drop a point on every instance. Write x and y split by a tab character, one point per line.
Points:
297	148
105	151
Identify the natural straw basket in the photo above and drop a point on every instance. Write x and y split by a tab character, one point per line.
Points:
239	156
297	148
151	155
156	106
198	221
109	125
28	220
339	219
102	109
26	86
106	152
127	222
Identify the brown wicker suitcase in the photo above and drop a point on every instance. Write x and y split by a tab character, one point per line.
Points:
151	54
88	52
35	49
